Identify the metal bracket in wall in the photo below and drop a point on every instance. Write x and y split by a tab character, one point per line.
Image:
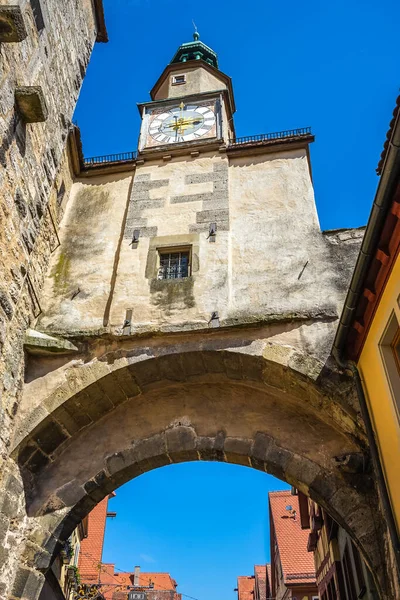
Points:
126	328
135	238
214	321
212	232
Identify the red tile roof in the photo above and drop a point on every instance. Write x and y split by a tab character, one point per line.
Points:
297	564
246	587
388	137
260	572
114	584
161	581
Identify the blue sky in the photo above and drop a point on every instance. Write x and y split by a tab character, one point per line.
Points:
329	65
205	523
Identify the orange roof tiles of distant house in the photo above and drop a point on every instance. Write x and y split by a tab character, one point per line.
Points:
246	587
260	572
160	581
297	564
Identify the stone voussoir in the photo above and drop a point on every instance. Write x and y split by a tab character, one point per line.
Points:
238	450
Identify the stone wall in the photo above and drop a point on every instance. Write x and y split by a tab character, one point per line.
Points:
35	178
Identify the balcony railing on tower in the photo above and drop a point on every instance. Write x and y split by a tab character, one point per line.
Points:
126	157
96	161
276	135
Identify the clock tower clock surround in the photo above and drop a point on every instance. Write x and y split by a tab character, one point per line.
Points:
192	103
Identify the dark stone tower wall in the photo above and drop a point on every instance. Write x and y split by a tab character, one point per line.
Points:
45	47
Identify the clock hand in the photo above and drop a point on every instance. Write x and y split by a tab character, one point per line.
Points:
180	123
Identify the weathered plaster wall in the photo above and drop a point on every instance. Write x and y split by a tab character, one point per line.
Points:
35	178
81	271
269	259
198	80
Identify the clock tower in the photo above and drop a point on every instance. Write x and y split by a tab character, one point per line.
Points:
192	103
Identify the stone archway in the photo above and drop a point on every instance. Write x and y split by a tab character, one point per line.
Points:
99	423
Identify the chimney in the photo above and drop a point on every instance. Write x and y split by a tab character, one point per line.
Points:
136	577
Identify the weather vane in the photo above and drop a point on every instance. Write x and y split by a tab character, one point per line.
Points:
196	33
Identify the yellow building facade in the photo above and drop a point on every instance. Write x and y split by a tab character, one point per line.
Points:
368	337
379	366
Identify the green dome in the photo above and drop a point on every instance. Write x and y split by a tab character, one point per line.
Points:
195	50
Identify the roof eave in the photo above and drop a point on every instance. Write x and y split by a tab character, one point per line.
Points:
102	35
389	177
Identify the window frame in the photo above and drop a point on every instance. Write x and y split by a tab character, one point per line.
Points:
349	574
390	338
175	77
168	250
394	345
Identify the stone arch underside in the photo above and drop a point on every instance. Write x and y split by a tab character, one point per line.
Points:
110	421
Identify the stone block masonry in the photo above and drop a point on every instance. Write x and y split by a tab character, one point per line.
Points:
141	201
42	72
215	204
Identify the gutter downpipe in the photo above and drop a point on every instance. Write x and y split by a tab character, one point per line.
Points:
389	179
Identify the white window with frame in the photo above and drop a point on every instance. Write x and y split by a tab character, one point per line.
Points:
174	263
178	79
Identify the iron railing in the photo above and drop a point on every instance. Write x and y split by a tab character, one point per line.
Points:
277	135
95	161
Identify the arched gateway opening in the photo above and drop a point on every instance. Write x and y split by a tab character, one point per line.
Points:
88	427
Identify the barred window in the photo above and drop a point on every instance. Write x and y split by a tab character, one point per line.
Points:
174	264
37	14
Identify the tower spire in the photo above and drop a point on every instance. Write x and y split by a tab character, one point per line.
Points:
196	35
195	50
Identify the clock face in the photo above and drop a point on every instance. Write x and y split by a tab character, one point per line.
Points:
183	123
